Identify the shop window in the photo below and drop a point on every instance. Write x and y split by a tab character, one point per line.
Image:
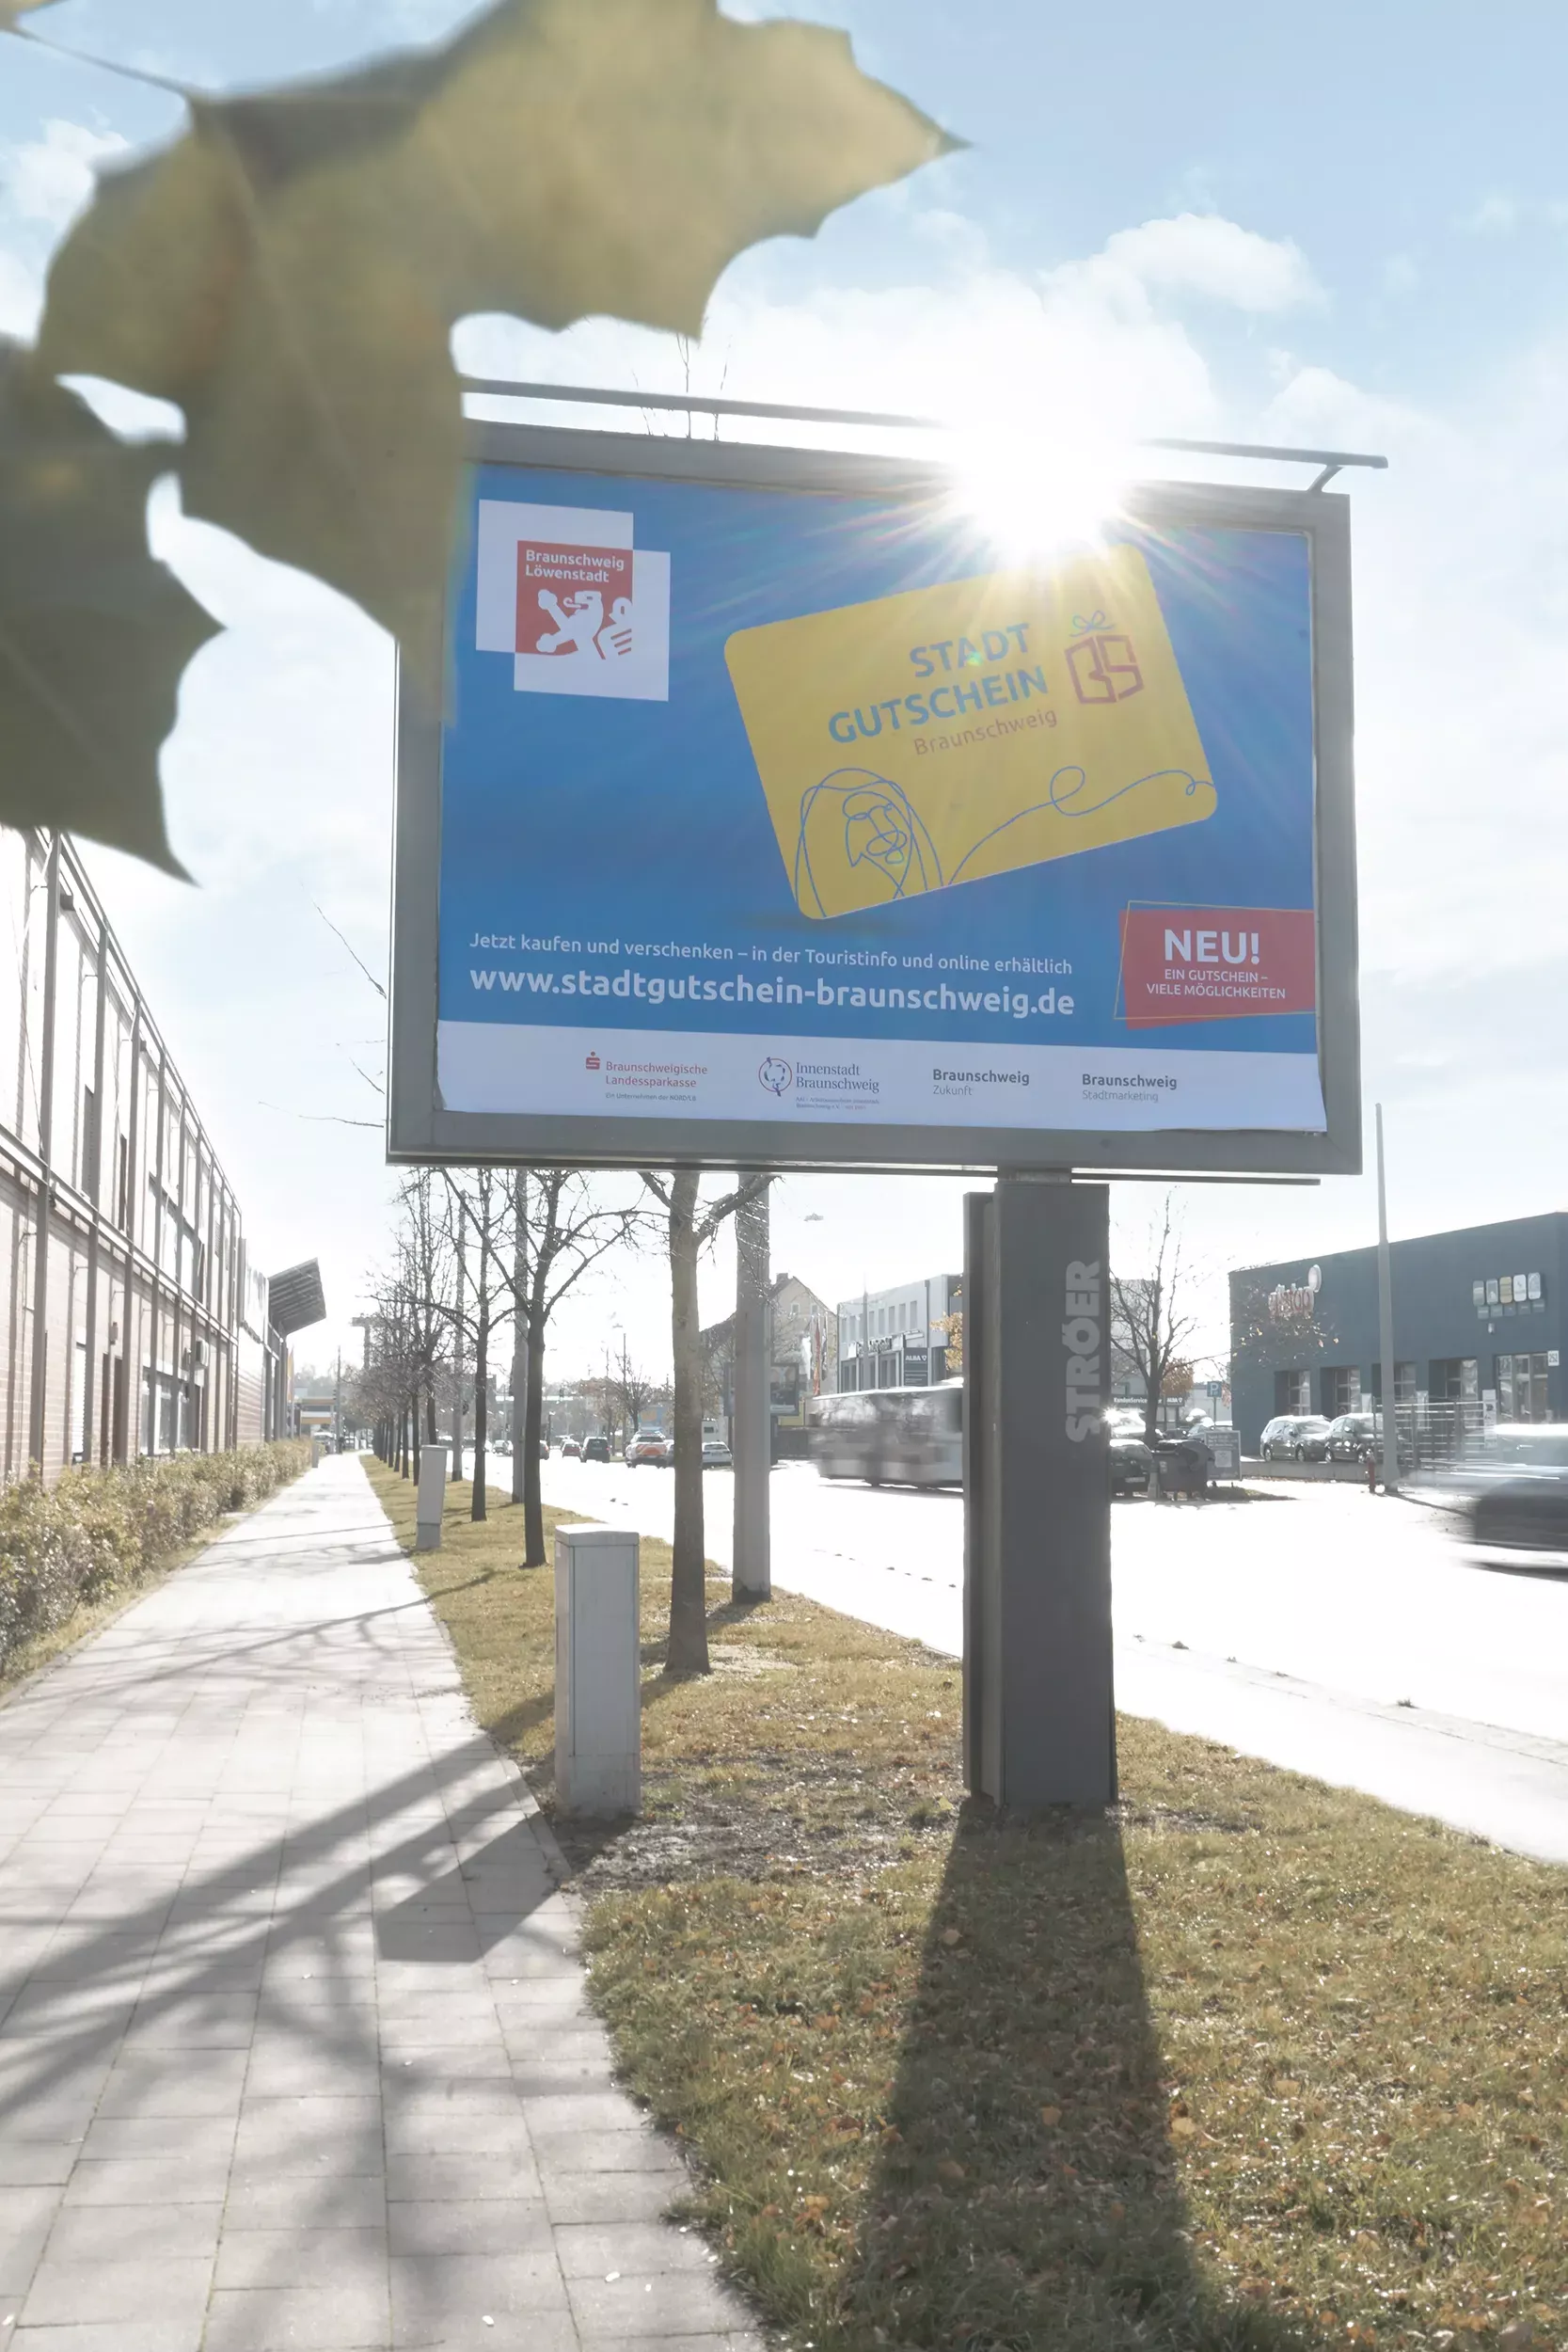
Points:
1292	1392
168	1417
1521	1382
1341	1389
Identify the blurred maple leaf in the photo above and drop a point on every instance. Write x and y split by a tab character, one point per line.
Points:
94	632
290	270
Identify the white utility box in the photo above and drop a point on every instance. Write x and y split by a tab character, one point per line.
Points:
1224	1449
432	1498
598	1670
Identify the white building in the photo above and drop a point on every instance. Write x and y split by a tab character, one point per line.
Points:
131	1318
901	1338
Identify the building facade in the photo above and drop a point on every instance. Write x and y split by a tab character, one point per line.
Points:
1478	1326
801	1357
132	1319
902	1338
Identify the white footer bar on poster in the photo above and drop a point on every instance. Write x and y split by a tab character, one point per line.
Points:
630	1073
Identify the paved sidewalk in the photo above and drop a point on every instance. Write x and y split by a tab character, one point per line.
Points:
293	2045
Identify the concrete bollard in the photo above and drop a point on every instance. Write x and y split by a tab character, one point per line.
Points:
598	1678
432	1498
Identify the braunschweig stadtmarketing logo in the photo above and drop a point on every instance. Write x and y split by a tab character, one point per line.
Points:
776	1075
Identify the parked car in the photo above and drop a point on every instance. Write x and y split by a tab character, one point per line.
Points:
1352	1436
1294	1437
717	1454
1514	1493
1131	1461
647	1446
571	1449
595	1448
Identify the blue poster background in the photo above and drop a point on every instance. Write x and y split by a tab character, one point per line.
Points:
595	819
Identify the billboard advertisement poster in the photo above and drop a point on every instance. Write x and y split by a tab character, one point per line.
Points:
820	813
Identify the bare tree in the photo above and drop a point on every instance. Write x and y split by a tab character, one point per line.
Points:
690	1224
1152	1320
634	1391
569	1229
424	1246
481	1205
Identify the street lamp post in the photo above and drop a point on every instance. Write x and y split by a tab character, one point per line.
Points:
1386	1329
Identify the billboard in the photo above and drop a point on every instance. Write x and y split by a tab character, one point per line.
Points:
781	812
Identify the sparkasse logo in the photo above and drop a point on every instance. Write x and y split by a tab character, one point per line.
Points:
592	1063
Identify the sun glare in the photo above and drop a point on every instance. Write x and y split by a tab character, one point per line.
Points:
1037	496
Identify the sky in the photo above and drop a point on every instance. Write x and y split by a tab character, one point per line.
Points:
1340	226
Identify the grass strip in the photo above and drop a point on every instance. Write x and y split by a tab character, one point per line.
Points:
1254	2063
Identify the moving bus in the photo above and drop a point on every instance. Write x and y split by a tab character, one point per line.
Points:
891	1436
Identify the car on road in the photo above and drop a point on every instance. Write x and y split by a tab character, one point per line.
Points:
717	1454
571	1450
649	1445
1294	1437
1512	1493
595	1448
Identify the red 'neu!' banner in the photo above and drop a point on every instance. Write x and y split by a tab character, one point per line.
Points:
1215	963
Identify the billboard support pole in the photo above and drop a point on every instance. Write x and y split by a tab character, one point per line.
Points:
1040	1714
1385	1331
751	1574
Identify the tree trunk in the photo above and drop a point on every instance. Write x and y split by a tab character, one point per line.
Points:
457	1354
533	1416
481	1403
1155	1377
522	1448
430	1433
687	1652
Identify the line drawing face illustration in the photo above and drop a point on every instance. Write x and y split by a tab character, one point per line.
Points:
855	818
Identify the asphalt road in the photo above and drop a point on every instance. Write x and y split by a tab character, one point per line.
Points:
1335	1631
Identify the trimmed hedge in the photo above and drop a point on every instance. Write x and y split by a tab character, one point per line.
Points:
101	1532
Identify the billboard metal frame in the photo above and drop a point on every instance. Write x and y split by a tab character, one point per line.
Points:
420	1129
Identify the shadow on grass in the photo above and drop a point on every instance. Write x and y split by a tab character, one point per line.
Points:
1028	2193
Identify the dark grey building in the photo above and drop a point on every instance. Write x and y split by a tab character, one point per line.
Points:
1479	1318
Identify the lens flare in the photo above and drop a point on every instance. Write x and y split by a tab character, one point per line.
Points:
1037	494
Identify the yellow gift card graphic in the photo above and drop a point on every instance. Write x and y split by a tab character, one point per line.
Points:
951	732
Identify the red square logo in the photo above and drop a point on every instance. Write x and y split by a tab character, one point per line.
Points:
568	595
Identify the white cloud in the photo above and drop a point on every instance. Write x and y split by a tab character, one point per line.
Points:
21	298
49	180
1495	216
1203	254
1079	350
